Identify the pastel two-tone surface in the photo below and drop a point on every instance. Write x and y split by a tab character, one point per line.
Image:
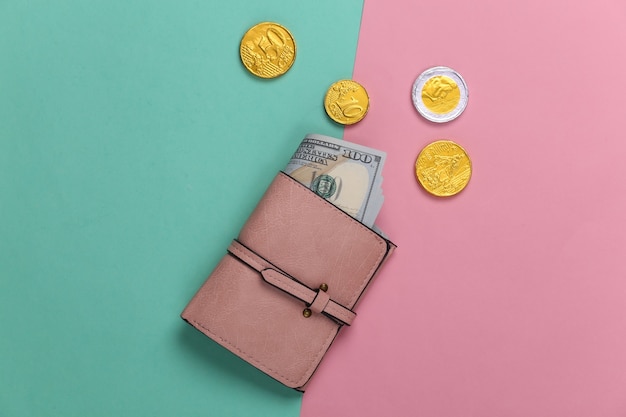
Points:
133	145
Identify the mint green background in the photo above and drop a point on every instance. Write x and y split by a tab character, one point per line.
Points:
133	145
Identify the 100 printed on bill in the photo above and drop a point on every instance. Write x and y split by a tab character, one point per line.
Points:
346	174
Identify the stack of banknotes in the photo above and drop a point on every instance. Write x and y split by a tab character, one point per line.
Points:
346	174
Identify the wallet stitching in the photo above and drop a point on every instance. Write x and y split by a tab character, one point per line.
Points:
249	357
316	359
294	289
319	297
257	362
335	309
297	292
251	261
336	211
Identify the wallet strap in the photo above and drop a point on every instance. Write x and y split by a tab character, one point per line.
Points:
318	300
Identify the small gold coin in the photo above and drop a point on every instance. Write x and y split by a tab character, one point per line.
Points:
443	168
267	50
346	102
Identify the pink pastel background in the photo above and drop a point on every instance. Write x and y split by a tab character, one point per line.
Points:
508	299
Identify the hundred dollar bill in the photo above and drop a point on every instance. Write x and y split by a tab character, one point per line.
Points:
346	174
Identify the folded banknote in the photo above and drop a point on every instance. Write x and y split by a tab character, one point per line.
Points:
344	173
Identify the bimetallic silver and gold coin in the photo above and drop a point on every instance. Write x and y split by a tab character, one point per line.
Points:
443	168
346	102
440	94
267	50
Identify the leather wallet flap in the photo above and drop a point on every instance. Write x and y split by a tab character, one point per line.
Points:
296	252
313	241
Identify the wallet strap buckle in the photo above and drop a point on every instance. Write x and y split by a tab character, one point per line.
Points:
317	301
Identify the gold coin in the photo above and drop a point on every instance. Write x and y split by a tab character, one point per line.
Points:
267	50
443	168
441	94
346	102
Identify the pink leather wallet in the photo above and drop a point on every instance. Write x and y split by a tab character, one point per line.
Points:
288	283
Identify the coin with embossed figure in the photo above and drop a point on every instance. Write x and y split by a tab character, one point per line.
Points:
267	50
346	102
443	168
440	94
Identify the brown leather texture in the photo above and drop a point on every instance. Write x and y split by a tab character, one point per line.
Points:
306	239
